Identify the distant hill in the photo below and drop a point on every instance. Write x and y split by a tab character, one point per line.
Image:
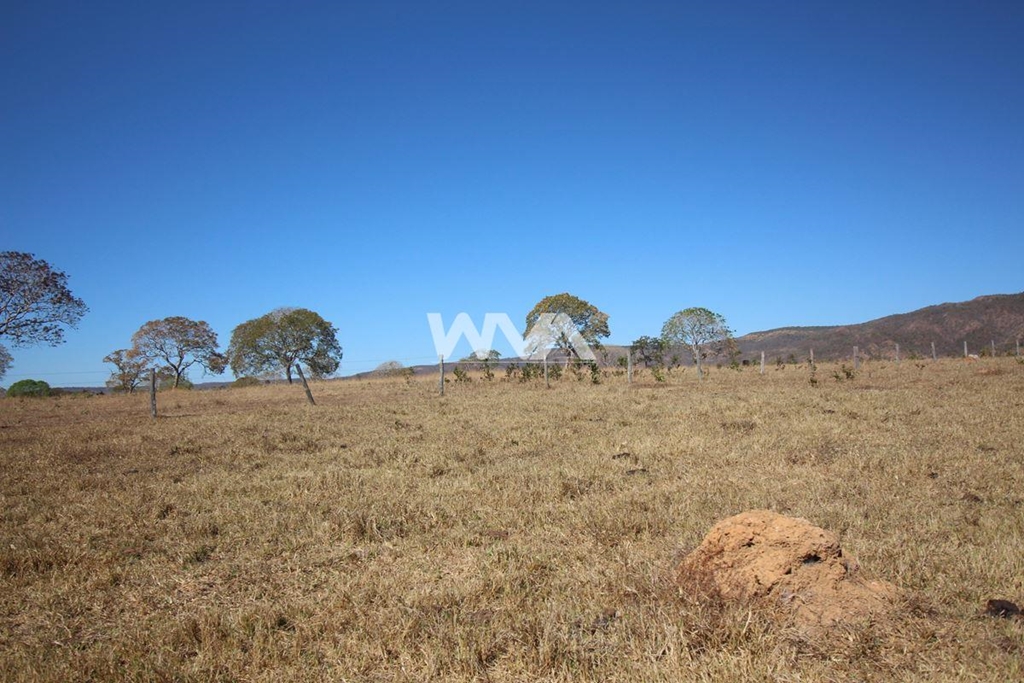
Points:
979	322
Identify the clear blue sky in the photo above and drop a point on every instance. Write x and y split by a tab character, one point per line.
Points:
779	163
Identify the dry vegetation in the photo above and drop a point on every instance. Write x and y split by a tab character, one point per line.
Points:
505	531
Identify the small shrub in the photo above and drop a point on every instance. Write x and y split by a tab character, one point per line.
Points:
595	373
511	371
243	382
576	368
658	374
843	372
461	375
31	388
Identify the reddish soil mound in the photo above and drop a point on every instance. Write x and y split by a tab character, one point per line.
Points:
762	554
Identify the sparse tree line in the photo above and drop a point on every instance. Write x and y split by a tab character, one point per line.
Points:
36	306
694	333
270	345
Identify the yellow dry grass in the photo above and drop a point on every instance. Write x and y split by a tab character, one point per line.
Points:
503	532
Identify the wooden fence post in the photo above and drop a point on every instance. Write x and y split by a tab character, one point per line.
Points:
762	362
1018	348
993	348
152	392
440	363
309	394
812	356
629	366
897	354
965	348
547	382
935	356
856	359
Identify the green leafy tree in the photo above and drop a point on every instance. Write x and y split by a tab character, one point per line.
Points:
649	350
35	303
280	339
180	343
699	330
588	321
130	365
33	388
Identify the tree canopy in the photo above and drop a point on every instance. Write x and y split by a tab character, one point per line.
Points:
280	339
649	350
589	322
29	387
699	330
35	303
130	366
180	343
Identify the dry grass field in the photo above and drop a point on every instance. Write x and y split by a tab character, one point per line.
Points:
504	532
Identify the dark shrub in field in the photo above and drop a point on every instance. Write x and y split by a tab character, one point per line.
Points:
29	387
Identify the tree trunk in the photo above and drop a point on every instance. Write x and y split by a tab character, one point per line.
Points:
288	372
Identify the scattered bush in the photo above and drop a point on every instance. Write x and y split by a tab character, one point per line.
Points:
511	371
461	375
243	382
843	372
530	371
576	368
32	388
